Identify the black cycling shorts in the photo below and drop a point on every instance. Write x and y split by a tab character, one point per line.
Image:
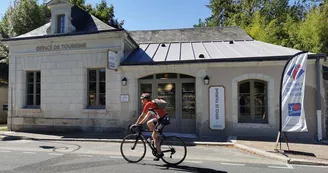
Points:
161	123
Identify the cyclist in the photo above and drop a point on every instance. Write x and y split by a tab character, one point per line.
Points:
155	124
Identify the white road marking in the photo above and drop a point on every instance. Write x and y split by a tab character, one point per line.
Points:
233	164
56	154
5	151
116	157
86	155
282	167
192	161
29	152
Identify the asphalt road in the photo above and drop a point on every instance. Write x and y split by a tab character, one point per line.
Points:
99	157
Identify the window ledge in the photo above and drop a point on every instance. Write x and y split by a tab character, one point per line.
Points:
30	110
253	125
95	111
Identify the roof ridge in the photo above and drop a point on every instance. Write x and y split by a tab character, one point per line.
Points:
191	28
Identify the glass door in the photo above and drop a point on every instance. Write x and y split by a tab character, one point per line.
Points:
167	91
188	107
144	87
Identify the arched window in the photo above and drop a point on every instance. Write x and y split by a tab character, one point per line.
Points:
252	101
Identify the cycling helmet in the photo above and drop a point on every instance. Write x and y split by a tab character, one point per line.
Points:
145	96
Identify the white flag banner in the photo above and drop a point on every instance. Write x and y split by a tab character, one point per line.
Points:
292	94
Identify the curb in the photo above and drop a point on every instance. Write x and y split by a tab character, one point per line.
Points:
307	162
262	153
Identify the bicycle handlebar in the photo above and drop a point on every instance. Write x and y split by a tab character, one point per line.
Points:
135	128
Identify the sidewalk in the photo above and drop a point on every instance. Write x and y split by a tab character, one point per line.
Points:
310	154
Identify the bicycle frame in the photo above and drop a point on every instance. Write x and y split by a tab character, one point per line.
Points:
154	150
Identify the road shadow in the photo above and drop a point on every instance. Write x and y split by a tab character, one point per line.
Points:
292	152
55	149
185	168
11	138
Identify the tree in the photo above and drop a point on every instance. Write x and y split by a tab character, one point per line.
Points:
20	18
302	25
313	31
101	11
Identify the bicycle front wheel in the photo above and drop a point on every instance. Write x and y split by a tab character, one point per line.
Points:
133	148
174	150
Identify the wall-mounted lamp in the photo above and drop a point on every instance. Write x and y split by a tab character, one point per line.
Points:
206	80
124	81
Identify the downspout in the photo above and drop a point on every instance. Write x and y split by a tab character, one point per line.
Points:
318	100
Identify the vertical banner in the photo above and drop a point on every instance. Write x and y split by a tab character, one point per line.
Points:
217	108
292	94
113	60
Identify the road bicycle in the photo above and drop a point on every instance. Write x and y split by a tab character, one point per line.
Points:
171	146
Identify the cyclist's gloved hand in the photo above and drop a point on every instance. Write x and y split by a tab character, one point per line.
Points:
132	127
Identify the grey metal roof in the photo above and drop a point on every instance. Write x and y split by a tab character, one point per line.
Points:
82	21
190	34
178	52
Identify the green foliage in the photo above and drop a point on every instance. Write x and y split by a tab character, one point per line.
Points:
302	25
102	11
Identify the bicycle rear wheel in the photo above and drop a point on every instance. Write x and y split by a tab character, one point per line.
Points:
133	148
174	150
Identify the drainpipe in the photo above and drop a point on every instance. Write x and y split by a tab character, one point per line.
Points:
318	99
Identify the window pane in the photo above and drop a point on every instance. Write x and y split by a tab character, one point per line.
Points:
92	99
30	77
244	114
38	99
259	100
102	99
30	89
259	110
186	76
38	88
102	75
29	99
259	87
38	77
244	100
102	87
167	92
188	101
93	75
167	76
244	87
92	87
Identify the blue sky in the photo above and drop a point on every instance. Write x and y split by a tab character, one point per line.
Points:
151	14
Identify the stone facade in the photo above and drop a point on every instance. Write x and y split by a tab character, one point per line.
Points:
64	85
231	74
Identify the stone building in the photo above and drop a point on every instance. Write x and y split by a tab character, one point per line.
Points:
78	73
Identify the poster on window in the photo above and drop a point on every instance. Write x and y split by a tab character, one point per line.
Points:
292	94
217	107
112	60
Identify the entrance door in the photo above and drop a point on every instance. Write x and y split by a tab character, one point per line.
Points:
179	92
168	91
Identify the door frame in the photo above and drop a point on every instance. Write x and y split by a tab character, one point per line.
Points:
178	93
